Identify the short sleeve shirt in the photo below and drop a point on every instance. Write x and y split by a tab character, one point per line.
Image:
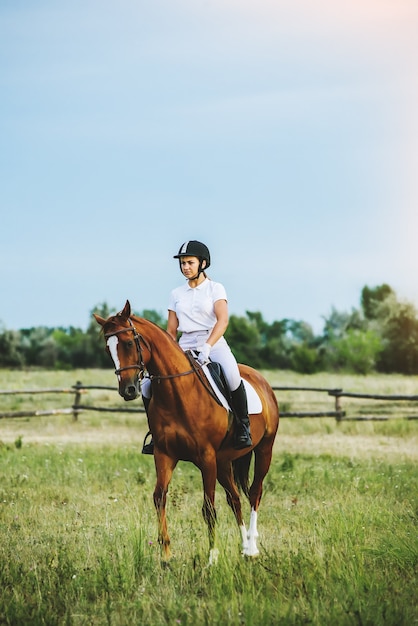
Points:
194	307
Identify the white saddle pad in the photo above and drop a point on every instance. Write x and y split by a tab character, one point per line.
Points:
254	402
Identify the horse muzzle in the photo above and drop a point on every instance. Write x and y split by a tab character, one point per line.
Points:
129	391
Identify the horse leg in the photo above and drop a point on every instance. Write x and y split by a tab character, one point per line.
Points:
208	471
226	479
164	468
263	456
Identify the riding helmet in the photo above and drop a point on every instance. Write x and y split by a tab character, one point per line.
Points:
194	248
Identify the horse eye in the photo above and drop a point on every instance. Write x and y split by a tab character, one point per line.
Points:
130	343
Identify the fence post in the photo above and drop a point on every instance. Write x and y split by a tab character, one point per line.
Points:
338	408
77	400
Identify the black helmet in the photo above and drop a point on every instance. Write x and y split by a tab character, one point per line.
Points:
194	248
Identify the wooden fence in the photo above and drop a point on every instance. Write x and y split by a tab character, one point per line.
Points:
337	394
341	414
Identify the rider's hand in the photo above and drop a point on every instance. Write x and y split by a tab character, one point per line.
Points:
203	356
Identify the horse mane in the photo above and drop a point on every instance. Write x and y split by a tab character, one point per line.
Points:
162	331
142	320
120	320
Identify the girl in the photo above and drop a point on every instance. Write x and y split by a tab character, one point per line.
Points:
199	311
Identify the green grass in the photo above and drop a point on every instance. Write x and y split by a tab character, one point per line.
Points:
337	523
337	538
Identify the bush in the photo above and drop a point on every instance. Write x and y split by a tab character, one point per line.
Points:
400	338
10	354
305	360
356	351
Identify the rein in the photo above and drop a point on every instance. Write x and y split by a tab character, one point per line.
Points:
159	377
141	365
196	367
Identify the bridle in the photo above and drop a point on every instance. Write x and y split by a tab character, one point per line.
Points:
195	369
140	365
137	338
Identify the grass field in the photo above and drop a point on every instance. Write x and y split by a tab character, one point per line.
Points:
338	520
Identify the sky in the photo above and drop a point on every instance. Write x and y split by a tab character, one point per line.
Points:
281	133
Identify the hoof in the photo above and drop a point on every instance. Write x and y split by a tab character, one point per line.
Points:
213	556
250	552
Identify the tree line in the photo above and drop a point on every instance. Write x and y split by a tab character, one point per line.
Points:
381	335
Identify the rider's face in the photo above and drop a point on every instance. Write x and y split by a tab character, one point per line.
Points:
189	266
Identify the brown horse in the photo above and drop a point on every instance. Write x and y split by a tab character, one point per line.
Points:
188	423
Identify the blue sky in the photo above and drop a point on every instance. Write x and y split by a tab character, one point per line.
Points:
283	134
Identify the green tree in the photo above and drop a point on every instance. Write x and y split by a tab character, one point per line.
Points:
244	339
154	316
304	359
355	351
93	350
399	332
304	356
10	349
372	297
339	322
382	334
37	346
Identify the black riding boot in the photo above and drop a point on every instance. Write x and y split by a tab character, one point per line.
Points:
147	448
240	408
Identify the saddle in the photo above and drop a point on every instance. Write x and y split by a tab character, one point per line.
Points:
216	371
217	385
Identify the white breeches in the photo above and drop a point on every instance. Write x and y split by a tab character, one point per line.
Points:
220	353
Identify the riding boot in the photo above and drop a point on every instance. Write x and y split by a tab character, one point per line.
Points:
240	409
147	448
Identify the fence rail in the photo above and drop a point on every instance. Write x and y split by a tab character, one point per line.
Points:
341	414
79	389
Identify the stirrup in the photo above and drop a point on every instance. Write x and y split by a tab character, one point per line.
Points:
242	437
148	448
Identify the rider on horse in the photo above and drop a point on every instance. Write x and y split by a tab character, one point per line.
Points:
198	310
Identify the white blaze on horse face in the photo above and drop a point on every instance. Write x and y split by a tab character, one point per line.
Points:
112	344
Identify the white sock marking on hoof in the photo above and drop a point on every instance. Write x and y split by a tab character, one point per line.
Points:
244	537
251	548
213	556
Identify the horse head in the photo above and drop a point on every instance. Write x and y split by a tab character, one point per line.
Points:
125	346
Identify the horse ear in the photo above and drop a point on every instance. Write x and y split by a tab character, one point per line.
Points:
99	320
126	310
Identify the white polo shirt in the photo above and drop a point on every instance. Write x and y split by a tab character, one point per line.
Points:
194	307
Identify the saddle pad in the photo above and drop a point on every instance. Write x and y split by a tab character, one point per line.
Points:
254	402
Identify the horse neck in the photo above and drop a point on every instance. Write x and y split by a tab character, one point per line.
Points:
166	355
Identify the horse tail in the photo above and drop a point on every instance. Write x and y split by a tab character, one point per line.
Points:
241	470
